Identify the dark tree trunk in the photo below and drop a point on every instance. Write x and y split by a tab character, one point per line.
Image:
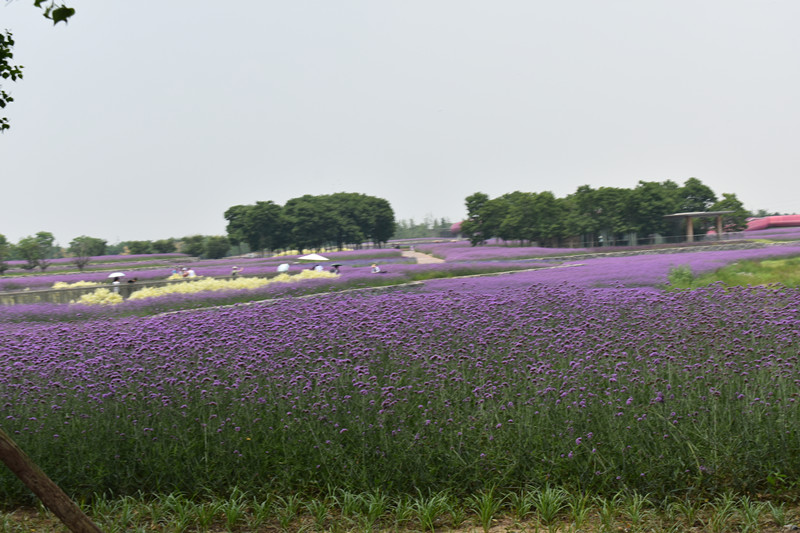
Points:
48	492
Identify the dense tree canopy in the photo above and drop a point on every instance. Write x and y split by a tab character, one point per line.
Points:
736	221
695	196
83	248
596	216
312	222
193	245
139	247
36	250
164	246
85	245
216	247
5	249
204	246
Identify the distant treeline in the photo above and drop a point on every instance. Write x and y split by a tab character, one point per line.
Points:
587	217
429	227
595	216
38	251
312	222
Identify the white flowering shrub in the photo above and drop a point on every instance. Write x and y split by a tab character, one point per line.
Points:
65	285
212	284
305	252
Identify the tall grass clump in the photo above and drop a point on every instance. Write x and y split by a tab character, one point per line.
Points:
785	272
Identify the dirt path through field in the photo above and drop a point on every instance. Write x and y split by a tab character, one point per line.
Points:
422	258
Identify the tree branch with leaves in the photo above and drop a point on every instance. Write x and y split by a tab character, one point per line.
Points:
8	71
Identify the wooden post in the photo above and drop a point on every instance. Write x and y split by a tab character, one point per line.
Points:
37	481
689	229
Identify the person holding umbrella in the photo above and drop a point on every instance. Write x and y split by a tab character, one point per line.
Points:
116	282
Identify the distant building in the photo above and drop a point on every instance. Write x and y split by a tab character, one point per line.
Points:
775	221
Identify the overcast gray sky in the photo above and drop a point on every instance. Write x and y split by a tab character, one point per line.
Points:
148	119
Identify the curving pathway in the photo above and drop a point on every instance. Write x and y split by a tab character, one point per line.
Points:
422	258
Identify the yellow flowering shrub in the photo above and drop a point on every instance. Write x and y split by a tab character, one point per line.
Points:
212	284
100	297
305	252
65	285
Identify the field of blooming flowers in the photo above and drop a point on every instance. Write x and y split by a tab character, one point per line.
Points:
584	375
792	233
353	275
160	268
460	250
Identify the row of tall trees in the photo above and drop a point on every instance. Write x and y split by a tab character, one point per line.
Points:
205	246
312	222
588	215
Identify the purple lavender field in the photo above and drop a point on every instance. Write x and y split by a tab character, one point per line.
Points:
463	251
791	233
160	267
584	376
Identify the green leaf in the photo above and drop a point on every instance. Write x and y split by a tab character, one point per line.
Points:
62	14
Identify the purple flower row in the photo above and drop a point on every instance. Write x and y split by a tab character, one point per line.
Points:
218	267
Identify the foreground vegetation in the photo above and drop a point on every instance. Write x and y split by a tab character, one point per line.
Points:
785	272
509	402
527	510
463	390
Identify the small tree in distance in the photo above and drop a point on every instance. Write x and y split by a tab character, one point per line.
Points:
193	245
736	221
5	248
83	248
216	247
164	246
139	247
27	250
36	251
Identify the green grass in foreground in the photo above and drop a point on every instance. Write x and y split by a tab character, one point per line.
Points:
548	509
742	273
